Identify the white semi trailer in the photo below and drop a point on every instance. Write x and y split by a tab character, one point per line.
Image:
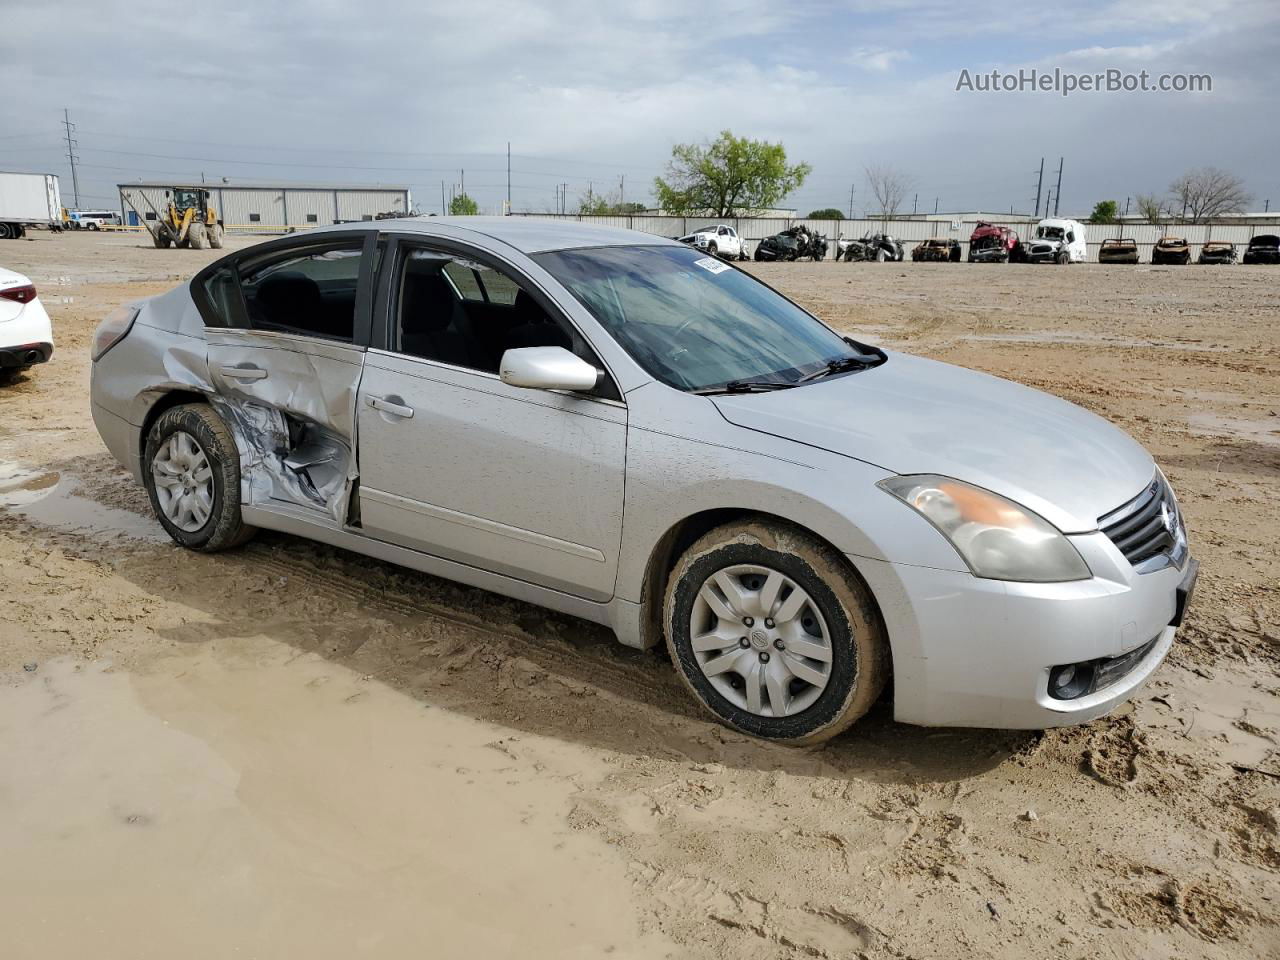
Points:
27	200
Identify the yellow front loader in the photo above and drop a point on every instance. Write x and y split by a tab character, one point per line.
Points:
187	220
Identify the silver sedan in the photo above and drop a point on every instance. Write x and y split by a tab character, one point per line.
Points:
628	430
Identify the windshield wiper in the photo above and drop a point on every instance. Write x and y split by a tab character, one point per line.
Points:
746	386
841	365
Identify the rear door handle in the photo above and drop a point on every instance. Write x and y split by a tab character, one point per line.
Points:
389	405
243	373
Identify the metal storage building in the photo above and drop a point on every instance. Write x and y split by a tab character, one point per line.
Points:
268	207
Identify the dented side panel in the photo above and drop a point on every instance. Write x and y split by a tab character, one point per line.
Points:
290	403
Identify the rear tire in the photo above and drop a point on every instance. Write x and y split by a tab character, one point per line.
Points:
821	605
215	236
192	473
198	236
7	232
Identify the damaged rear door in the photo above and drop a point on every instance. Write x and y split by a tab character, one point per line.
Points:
286	367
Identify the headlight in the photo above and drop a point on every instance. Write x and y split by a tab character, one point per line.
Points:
998	539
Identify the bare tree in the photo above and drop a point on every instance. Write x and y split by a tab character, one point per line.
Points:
1206	193
889	186
1152	208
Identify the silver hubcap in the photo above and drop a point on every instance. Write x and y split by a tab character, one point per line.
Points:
761	641
183	481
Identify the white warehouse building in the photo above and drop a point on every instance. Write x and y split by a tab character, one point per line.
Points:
250	205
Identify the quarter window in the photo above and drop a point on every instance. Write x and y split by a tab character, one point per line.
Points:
310	292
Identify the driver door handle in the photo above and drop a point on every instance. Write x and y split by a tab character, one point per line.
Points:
243	373
387	405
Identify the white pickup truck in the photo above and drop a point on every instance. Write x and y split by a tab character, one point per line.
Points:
719	241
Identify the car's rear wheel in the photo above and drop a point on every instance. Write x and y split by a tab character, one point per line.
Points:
774	633
192	474
198	237
215	236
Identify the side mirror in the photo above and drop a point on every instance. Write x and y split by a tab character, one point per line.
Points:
547	368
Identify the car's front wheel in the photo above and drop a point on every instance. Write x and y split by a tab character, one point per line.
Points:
774	633
192	473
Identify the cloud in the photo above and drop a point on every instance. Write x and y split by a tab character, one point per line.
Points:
589	93
876	59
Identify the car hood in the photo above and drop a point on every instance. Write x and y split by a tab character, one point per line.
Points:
912	415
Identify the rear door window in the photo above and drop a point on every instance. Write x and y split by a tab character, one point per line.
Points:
311	292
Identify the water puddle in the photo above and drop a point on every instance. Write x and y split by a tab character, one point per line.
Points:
242	799
49	499
1265	431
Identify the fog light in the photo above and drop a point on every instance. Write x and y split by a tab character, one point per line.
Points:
1070	680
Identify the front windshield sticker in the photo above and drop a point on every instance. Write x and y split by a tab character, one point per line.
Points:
712	265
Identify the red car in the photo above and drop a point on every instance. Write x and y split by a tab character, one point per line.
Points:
993	244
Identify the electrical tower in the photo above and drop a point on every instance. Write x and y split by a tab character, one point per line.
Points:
72	143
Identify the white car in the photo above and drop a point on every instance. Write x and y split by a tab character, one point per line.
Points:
26	335
719	241
1058	241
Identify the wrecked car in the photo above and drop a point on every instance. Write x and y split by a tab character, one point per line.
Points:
1118	250
793	243
878	247
1264	248
627	430
1058	241
1217	252
936	249
1171	250
990	243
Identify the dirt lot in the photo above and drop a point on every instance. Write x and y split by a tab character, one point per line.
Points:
294	751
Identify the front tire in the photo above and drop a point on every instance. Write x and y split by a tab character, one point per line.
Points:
192	474
774	633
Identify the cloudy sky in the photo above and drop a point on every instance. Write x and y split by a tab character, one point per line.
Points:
589	93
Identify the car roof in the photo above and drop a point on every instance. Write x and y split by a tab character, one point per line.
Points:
526	234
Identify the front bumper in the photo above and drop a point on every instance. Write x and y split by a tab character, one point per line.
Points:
989	255
971	652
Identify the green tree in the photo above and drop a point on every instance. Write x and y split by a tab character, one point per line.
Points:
728	177
826	213
1104	211
463	206
606	205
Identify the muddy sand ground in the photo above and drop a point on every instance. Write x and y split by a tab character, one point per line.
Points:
294	751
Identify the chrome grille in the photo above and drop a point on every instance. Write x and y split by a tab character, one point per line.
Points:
1147	526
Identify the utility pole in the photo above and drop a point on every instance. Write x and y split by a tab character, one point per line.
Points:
1048	201
71	155
508	178
935	206
622	192
1126	206
1057	193
1040	187
915	205
851	189
1266	207
564	198
462	178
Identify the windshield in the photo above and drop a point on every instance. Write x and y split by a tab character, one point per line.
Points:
1049	233
690	320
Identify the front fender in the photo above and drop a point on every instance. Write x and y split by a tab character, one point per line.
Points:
711	464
